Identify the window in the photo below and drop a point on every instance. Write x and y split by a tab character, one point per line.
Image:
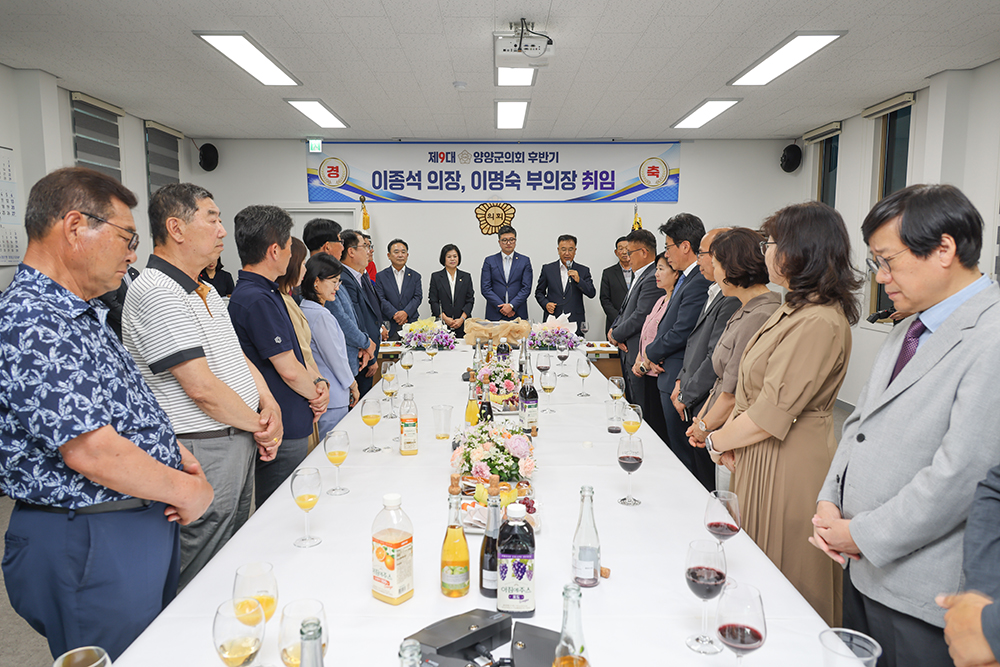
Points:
95	137
895	143
162	163
828	170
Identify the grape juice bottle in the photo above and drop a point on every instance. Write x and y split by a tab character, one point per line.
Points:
516	560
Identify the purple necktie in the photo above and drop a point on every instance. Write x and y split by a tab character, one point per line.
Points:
910	343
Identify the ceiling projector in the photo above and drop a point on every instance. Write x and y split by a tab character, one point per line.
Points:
534	51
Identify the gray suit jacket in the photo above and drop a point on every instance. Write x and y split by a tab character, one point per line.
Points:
913	452
638	304
698	375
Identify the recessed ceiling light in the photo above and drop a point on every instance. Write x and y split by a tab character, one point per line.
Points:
318	113
249	55
784	57
705	112
511	115
516	76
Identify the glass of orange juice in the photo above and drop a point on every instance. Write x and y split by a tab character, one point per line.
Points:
371	414
336	444
306	487
256	580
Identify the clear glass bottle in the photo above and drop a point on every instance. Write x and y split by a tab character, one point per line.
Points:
488	551
477	357
455	550
503	350
410	654
516	564
392	552
571	651
311	649
586	543
486	405
408	425
472	406
523	358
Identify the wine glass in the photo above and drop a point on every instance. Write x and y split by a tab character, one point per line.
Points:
583	370
406	361
629	458
238	631
741	619
616	387
90	656
632	419
431	350
584	328
387	369
722	515
256	580
543	362
306	487
337	444
705	573
292	616
371	413
547	380
562	354
387	325
390	387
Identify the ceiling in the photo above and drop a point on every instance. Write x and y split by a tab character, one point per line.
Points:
624	69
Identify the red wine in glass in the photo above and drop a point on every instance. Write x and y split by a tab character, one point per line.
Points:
741	639
722	530
740	617
705	582
630	463
722	515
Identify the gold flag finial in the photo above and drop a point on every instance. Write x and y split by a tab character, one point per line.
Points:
365	219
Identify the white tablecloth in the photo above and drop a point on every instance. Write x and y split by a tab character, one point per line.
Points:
642	613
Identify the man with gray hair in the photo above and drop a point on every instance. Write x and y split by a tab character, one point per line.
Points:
179	333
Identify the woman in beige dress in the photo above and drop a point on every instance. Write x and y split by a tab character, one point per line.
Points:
779	440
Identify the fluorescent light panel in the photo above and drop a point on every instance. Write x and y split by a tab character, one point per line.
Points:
511	115
785	56
318	113
252	58
516	76
705	112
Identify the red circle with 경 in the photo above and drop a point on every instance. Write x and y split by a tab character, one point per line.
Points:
653	172
333	172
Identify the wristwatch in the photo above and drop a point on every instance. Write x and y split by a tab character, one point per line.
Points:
701	426
708	446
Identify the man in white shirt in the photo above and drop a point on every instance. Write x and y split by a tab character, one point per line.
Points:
398	288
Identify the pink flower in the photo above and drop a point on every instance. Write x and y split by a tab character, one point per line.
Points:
518	446
493	388
456	456
526	467
508	385
478	454
480	469
484	374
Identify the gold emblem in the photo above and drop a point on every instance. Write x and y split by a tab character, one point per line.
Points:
494	215
654	172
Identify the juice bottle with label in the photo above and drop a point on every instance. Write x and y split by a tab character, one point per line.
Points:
528	405
392	552
455	550
408	425
488	551
472	407
516	560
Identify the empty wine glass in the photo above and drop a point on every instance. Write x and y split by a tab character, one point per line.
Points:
705	573
584	328
306	487
741	619
390	387
562	354
371	414
406	362
292	616
256	580
431	350
632	419
547	380
629	458
583	370
722	515
543	362
616	387
337	444
238	631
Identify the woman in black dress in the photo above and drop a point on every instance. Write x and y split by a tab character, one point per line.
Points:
451	293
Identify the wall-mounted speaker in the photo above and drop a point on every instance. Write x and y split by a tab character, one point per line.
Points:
208	157
791	158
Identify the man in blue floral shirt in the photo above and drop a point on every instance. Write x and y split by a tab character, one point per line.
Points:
100	481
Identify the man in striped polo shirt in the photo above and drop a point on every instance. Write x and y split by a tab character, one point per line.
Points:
179	332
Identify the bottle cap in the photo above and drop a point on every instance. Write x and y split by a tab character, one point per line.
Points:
455	488
392	500
586	490
516	511
408	396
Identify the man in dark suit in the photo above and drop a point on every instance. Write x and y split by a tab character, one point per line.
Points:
506	280
697	374
398	288
627	327
563	284
363	298
684	232
614	283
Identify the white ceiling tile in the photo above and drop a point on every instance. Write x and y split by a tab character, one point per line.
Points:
477	8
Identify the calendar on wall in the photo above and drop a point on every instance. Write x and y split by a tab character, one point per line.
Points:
12	233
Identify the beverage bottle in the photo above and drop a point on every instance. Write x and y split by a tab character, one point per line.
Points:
409	653
455	550
392	552
527	404
472	407
408	425
516	564
586	543
488	552
477	357
489	350
311	648
503	350
570	651
486	406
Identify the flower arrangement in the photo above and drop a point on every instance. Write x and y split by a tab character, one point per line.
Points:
423	332
550	333
494	448
503	384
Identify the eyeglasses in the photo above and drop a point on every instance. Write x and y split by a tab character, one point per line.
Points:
629	252
882	263
764	244
703	252
509	241
670	245
133	241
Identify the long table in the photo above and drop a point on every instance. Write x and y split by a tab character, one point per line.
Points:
643	612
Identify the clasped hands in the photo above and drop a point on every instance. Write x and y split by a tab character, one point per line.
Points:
832	533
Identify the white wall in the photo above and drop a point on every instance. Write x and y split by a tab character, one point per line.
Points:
723	182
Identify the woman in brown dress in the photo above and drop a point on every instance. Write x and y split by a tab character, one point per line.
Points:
779	440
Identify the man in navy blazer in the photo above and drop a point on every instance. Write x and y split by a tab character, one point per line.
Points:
363	298
683	232
563	284
506	280
398	288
